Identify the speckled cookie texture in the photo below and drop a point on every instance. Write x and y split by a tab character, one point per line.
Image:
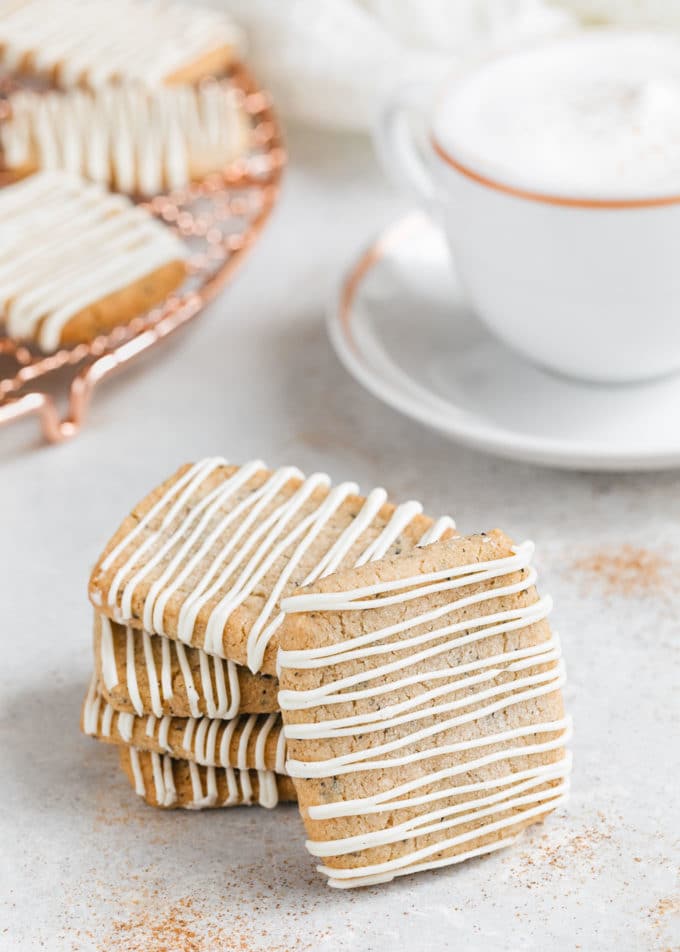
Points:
142	674
422	708
247	741
207	556
165	782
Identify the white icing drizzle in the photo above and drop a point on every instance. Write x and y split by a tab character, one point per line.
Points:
280	762
140	786
187	740
192	694
205	740
238	783
95	43
124	137
107	654
224	756
139	651
437	530
246	786
268	790
190	543
91	707
261	741
131	671
166	670
151	675
182	488
126	723
66	244
163	732
487	692
107	719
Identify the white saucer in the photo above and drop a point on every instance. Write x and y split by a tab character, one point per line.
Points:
396	330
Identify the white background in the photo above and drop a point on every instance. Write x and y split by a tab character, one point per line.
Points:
85	865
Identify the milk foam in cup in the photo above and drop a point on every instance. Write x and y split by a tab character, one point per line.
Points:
594	117
555	172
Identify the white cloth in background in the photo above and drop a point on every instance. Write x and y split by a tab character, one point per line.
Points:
655	13
332	62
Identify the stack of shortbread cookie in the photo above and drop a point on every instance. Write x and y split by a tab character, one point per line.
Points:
187	618
419	719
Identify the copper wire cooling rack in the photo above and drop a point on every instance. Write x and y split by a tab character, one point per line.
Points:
220	218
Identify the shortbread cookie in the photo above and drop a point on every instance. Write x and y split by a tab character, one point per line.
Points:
148	674
422	708
127	137
165	782
247	741
75	261
81	42
207	556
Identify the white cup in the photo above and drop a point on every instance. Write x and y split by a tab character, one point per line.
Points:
588	287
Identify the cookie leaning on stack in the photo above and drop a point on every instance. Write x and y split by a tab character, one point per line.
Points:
422	708
187	592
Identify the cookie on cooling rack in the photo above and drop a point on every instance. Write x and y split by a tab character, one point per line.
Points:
247	741
76	261
206	557
87	43
422	708
139	673
126	137
164	781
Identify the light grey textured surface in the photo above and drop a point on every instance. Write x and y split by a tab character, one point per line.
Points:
85	865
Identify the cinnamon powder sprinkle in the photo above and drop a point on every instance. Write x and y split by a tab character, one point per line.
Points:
170	932
627	570
186	927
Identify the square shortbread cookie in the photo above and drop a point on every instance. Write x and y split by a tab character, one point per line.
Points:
422	708
77	261
206	557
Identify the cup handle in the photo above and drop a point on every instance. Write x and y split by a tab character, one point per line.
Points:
400	137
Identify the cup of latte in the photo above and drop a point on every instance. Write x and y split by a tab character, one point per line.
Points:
555	173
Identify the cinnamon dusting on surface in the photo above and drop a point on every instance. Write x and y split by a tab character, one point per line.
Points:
185	925
172	931
581	847
661	913
627	570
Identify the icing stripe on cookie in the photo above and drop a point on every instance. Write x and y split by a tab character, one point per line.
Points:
222	698
237	782
125	137
535	671
207	741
